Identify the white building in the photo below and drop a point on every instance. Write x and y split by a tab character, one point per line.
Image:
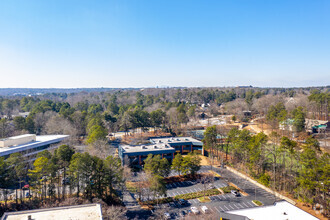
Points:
280	210
29	145
77	212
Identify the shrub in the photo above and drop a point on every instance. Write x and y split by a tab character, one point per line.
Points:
130	187
195	195
264	179
227	189
257	202
160	201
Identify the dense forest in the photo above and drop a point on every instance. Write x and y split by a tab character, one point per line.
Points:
291	161
95	114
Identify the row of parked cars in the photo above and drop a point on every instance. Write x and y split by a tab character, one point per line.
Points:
196	211
193	210
183	213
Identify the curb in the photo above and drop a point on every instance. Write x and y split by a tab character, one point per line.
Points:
261	186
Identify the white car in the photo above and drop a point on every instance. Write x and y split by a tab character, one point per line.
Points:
205	209
167	215
194	210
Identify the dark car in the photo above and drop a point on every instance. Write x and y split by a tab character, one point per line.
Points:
66	181
183	202
235	193
182	213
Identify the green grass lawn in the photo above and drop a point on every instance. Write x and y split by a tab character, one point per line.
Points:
257	202
206	199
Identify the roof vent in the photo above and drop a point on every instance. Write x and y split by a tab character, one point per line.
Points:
29	217
187	139
178	139
159	141
155	147
143	147
169	140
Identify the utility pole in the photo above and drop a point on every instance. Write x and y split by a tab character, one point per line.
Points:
274	183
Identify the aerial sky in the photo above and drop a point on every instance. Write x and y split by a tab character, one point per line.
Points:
149	43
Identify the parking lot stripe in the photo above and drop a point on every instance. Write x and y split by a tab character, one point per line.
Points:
240	205
216	209
221	208
235	206
245	205
231	206
225	207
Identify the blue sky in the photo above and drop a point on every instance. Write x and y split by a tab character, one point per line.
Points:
148	43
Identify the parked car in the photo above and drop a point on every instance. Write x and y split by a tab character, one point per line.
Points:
66	181
27	195
194	210
205	209
183	202
167	215
235	193
176	204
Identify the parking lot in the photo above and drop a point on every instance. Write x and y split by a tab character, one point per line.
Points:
179	188
219	203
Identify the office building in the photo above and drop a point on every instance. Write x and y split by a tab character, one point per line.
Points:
165	147
29	145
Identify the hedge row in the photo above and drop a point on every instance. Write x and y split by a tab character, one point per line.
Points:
227	189
160	201
195	195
